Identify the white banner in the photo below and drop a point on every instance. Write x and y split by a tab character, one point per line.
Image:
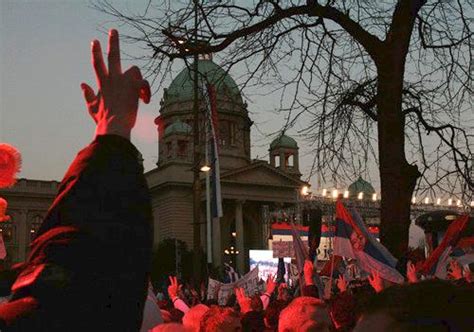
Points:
248	282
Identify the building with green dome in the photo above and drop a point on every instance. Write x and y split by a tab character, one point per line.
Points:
361	189
248	186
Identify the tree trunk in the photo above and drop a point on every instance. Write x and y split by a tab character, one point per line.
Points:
397	177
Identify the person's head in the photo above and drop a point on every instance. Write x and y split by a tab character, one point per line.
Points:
192	319
169	327
431	305
342	309
218	319
272	313
304	314
176	315
252	321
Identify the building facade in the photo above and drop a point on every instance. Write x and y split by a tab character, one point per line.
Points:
248	187
28	203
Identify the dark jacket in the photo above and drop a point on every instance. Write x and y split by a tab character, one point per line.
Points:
89	265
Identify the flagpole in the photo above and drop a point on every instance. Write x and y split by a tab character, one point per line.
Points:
208	195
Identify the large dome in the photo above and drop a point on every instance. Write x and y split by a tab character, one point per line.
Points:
283	141
181	88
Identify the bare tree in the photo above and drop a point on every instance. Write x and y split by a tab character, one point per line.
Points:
389	81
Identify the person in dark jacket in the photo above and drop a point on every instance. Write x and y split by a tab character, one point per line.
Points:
89	265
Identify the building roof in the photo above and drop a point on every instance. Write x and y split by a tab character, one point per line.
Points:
360	185
181	88
178	127
284	141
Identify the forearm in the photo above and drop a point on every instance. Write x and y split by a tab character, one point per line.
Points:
180	305
265	298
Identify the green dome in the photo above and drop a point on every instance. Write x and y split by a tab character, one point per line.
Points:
177	127
284	141
181	89
361	186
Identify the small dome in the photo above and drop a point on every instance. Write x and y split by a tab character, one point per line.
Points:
181	88
283	141
178	127
361	186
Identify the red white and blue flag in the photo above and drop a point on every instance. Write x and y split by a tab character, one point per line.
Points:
213	150
436	263
353	240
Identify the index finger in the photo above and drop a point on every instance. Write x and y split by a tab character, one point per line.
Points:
114	53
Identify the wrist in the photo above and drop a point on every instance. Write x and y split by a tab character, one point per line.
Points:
112	127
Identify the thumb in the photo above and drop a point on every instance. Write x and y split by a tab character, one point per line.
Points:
88	93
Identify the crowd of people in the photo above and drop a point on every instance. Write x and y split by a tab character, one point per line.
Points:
370	304
89	266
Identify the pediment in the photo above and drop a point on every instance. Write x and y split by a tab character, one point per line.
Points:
260	173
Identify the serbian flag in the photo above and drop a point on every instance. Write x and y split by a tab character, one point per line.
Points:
301	253
353	240
436	263
216	197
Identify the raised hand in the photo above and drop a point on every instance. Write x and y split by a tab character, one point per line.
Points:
467	274
411	273
375	281
271	284
308	272
174	287
456	270
341	283
114	107
244	302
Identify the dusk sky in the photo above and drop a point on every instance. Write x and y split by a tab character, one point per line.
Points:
45	56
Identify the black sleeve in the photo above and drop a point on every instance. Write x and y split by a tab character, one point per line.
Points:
92	254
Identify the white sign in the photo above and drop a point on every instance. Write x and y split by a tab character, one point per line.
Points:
248	282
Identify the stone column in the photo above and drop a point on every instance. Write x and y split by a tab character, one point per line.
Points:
282	160
22	233
239	229
216	242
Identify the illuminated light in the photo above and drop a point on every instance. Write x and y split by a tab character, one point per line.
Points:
226	252
374	197
427	200
232	251
360	195
459	202
346	194
305	191
472	203
413	200
450	201
32	231
231	248
237	252
438	201
325	192
205	168
181	41
234	234
335	193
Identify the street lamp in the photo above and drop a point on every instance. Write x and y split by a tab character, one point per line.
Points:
305	191
205	168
